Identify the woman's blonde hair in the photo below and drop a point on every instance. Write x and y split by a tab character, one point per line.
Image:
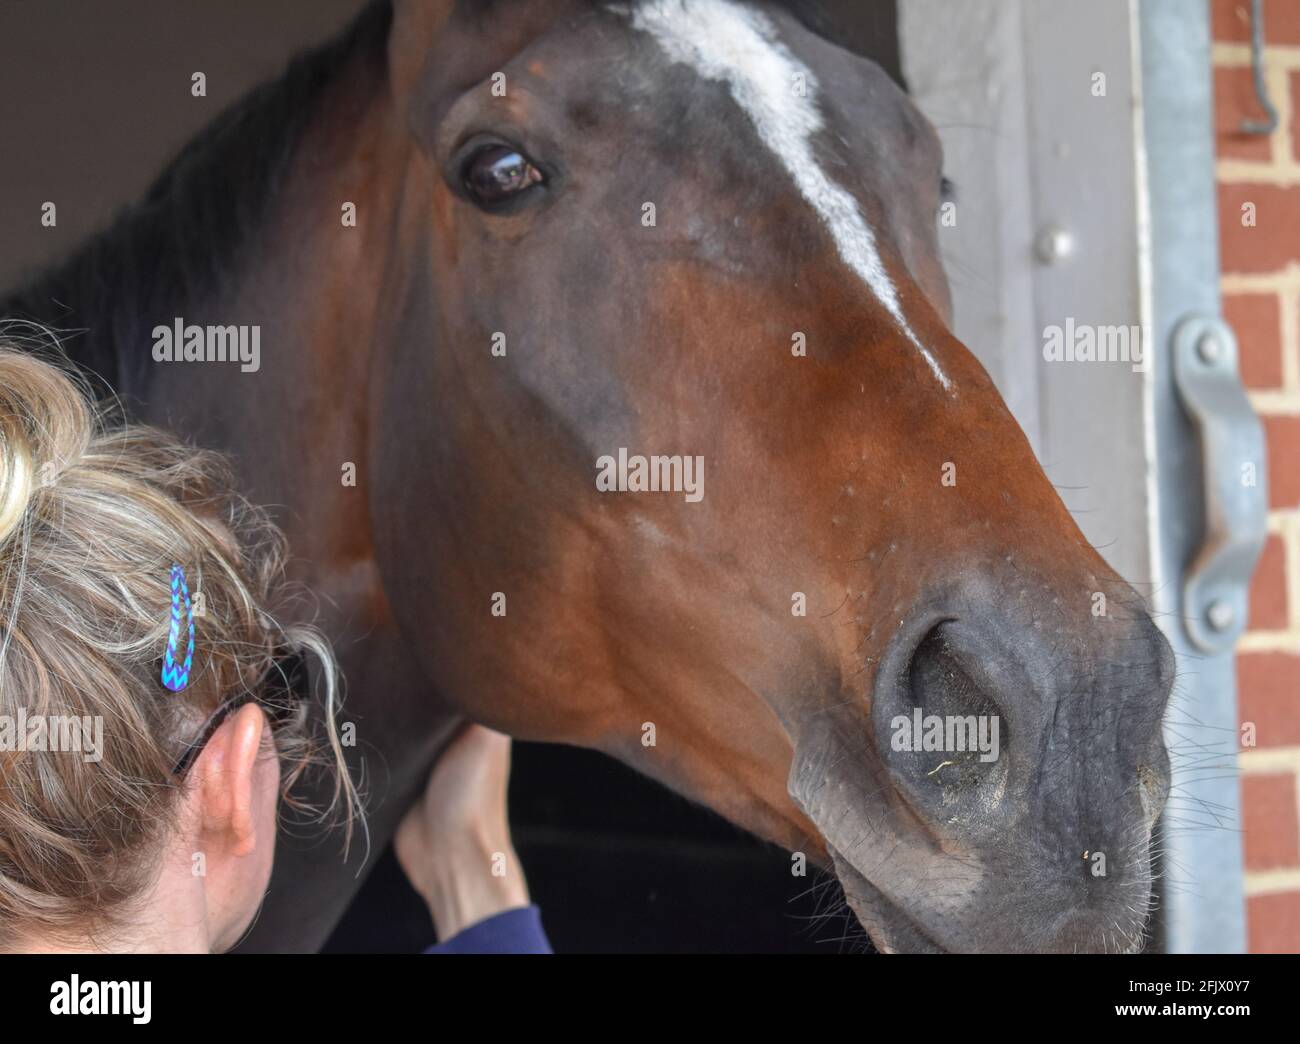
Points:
93	515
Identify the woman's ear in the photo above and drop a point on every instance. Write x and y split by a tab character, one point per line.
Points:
224	774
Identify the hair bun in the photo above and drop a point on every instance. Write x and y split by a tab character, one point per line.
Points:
45	425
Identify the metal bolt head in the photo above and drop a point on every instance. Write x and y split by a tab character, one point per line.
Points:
1220	615
1209	347
1053	244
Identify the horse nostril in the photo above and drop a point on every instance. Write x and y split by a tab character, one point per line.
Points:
949	731
940	684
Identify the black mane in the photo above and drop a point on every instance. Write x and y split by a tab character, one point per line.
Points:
186	237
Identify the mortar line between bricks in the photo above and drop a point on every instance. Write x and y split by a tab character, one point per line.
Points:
1230	56
1269	761
1275	403
1280	281
1290	530
1269	641
1289	303
1253	172
1271	882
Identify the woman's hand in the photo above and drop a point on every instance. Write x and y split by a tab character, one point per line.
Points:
454	844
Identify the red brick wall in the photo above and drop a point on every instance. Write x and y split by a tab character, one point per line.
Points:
1261	299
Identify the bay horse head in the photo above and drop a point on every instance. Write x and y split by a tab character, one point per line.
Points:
641	348
694	229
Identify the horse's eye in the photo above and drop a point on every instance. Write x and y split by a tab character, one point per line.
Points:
497	173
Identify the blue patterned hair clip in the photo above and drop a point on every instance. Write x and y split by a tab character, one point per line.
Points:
175	676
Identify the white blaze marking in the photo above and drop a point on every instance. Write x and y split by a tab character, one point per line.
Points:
738	45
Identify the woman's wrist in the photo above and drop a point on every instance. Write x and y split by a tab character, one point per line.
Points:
470	881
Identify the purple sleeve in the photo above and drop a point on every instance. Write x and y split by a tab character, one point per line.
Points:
512	931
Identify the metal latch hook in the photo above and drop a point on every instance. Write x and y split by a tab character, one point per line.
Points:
1234	476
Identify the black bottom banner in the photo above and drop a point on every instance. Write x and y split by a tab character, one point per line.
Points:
353	995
